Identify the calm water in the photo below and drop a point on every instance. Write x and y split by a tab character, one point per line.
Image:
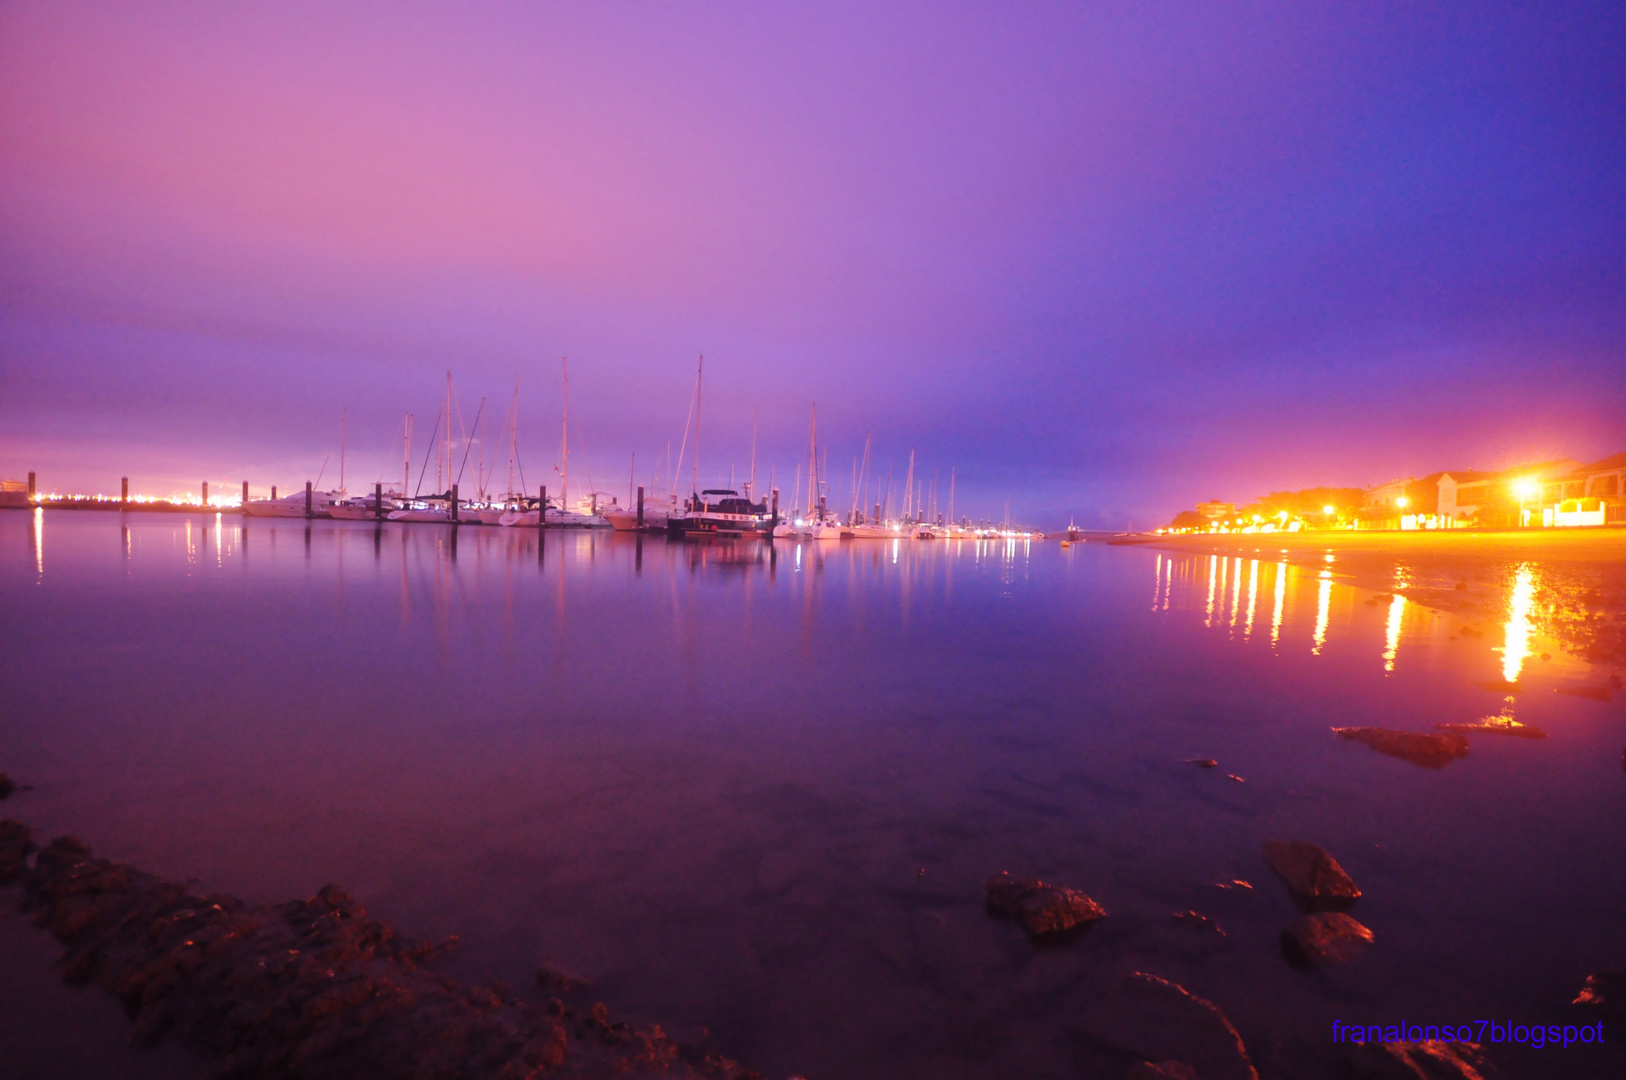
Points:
755	790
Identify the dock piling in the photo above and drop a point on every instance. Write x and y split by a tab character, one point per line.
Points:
124	491
206	493
640	508
378	501
309	513
454	506
245	492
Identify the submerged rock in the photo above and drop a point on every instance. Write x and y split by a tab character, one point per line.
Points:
1311	875
549	977
1163	1070
1043	909
1606	992
1596	693
16	843
1496	727
311	989
1199	921
7	785
1431	1060
1162	1022
1427	751
1325	938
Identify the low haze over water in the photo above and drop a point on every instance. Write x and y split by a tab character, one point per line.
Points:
756	788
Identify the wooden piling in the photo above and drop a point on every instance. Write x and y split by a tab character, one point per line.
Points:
245	492
454	505
206	494
542	509
309	512
640	508
32	490
378	501
124	491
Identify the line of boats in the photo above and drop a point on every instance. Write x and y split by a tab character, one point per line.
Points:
714	513
722	513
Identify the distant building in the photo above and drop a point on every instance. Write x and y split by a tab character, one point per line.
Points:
1472	497
1216	511
1592	494
1400	504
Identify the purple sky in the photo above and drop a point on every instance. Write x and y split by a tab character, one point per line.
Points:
1104	261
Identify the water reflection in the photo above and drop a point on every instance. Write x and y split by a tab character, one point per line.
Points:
1391	640
1516	642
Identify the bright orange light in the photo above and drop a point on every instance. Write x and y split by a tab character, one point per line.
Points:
1329	510
1527	487
1402	502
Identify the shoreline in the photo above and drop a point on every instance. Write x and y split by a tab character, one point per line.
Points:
309	988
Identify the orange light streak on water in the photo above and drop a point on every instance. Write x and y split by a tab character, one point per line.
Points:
1236	593
1323	601
1391	640
1281	600
1516	650
1253	596
1213	576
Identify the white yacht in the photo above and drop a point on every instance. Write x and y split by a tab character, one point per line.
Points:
293	505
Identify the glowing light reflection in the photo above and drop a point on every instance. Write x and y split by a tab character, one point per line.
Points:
1517	648
1323	601
39	540
1157	590
1281	600
1253	596
1213	577
1391	640
1236	593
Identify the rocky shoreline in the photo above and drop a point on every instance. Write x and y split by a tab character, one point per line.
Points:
310	989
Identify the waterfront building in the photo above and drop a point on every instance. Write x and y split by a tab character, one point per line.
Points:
1592	494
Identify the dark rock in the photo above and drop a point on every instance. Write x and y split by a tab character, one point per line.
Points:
1163	1070
1311	875
311	989
16	844
1596	693
1160	1021
1198	920
7	785
1325	938
1496	727
1430	1060
549	977
1043	909
1427	751
1202	762
1605	992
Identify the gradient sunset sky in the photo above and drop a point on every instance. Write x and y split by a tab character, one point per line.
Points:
1102	260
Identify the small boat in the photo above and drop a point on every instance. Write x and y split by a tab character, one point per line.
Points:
721	512
361	508
424	511
293	505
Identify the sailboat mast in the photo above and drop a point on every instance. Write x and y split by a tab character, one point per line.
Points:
406	454
813	461
951	495
564	436
699	376
909	490
513	436
751	484
480	462
344	417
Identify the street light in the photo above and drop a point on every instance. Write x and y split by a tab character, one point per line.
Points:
1526	488
1402	502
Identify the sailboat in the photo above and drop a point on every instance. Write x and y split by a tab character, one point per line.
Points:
715	512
